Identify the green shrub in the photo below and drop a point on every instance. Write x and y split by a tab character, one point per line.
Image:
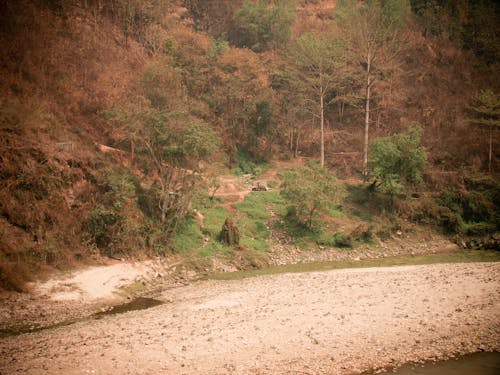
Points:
100	225
451	199
245	166
467	212
365	203
260	26
326	240
310	190
477	207
384	233
363	234
450	221
478	229
397	162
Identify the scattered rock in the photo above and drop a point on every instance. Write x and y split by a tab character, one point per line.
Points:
260	186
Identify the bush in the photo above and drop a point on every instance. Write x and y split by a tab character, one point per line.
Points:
310	190
363	234
245	166
13	276
326	240
259	26
99	225
471	213
397	162
479	229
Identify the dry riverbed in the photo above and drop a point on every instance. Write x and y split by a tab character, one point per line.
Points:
331	322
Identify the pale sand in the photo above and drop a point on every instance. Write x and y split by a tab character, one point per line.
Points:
334	322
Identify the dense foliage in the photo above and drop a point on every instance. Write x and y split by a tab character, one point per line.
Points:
398	162
259	25
309	190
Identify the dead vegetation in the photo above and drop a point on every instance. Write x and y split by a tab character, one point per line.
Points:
73	183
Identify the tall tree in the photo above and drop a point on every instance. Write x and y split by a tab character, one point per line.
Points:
375	33
169	145
319	61
487	113
291	115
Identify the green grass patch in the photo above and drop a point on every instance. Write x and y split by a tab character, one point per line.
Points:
188	236
215	247
254	215
256	243
253	233
214	218
253	207
335	211
462	256
365	216
255	204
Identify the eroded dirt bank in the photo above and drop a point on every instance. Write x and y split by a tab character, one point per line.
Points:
334	322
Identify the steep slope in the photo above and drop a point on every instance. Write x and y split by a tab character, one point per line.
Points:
60	73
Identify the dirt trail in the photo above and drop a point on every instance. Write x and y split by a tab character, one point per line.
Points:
234	189
335	322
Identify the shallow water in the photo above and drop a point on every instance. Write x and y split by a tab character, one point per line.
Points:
474	364
140	303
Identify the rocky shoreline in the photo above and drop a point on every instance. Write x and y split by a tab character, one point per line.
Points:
334	322
285	254
47	305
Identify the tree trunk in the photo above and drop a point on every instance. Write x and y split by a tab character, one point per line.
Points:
490	151
296	149
322	131
367	119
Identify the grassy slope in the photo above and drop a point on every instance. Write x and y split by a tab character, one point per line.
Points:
366	220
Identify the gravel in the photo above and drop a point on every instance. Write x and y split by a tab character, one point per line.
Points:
333	322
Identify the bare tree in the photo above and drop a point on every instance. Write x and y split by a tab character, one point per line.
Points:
376	40
319	61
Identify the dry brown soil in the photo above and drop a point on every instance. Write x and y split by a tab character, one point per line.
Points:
334	322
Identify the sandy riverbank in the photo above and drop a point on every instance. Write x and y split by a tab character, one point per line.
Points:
334	322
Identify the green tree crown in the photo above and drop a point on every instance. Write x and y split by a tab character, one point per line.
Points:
398	161
310	190
261	26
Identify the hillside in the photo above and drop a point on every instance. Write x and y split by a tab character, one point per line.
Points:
118	118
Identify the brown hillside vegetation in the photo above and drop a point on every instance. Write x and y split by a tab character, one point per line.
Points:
112	111
60	72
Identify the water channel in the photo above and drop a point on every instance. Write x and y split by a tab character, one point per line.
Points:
474	364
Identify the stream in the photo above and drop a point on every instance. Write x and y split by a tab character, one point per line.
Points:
476	364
